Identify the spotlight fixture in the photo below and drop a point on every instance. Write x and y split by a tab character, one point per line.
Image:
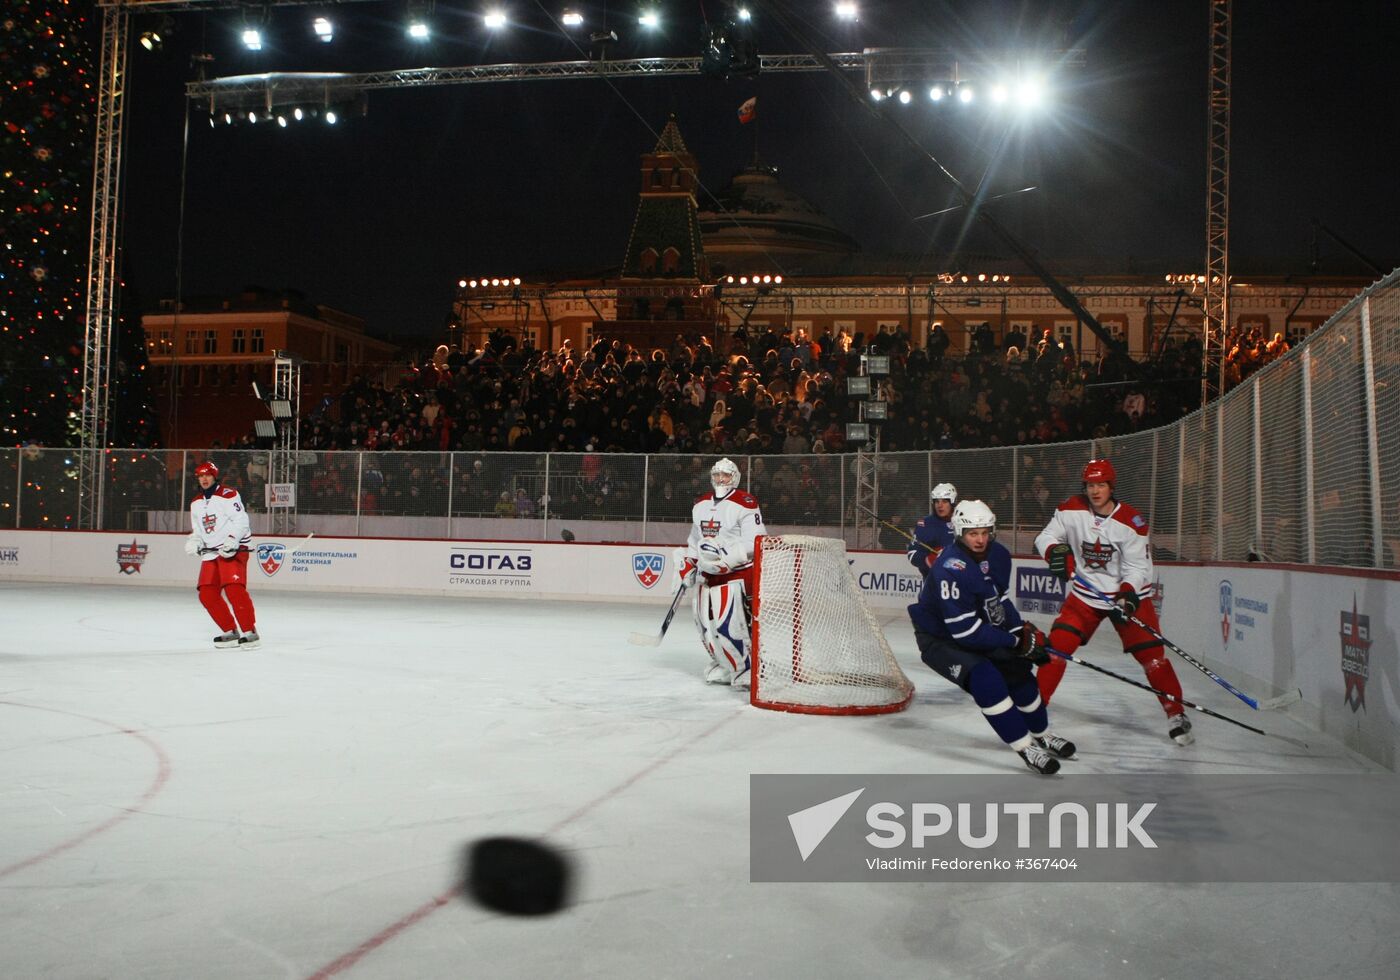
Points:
743	13
495	19
649	17
965	93
418	11
999	94
150	40
282	120
331	117
324	29
252	39
297	114
846	11
936	93
904	97
571	18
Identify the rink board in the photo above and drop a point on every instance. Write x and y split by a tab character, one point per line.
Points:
1268	629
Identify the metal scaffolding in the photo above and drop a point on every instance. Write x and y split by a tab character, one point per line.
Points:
103	266
286	415
1217	284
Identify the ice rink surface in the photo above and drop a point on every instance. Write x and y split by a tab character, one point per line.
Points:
172	811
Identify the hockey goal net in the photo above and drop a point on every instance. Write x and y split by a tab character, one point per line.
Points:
816	647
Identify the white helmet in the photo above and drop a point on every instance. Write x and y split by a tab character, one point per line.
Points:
724	477
944	491
972	514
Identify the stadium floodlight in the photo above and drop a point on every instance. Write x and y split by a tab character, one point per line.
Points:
252	116
281	409
999	94
282	121
904	97
857	432
858	386
876	411
418	29
743	13
649	17
324	29
297	114
252	39
847	11
572	18
876	94
331	116
965	94
495	19
264	428
1029	92
935	93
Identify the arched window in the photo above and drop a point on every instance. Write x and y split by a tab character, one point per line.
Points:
656	179
675	176
670	260
647	261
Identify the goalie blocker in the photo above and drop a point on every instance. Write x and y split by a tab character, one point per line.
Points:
817	649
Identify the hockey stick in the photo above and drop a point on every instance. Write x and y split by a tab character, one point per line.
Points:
647	639
1267	705
1171	697
304	542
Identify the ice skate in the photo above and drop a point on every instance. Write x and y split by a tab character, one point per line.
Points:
717	674
1038	759
1061	748
250	641
1179	729
741	679
229	639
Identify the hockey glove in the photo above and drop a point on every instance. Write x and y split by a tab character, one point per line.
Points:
229	548
193	545
1060	558
713	560
1125	604
684	566
689	571
931	558
1032	645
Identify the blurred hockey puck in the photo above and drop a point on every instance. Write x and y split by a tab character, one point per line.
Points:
516	876
566	534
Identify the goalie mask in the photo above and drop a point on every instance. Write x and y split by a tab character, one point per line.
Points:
972	514
724	477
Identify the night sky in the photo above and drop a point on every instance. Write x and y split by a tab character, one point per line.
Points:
380	216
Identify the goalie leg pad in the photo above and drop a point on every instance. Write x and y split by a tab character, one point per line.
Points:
723	613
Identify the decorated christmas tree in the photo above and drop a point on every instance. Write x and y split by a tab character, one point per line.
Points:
48	90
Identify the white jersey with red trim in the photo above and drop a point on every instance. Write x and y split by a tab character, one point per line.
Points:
216	517
729	523
1109	552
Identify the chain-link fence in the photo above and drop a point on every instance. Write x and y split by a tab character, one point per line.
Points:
1301	463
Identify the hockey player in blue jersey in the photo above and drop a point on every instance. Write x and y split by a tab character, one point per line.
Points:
935	532
969	631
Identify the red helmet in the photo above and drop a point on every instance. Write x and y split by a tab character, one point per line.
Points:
207	469
1100	471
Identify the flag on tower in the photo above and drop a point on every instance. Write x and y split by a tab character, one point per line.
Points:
746	111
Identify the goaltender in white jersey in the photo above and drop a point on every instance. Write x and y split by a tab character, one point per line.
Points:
718	557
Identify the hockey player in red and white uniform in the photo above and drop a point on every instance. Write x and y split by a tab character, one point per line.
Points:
221	539
1098	538
718	557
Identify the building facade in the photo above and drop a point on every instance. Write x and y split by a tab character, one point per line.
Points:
694	272
205	357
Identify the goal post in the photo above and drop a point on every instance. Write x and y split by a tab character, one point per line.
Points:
817	648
